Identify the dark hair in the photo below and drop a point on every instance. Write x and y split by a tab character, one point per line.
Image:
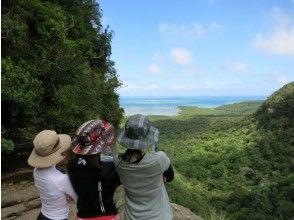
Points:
94	161
127	156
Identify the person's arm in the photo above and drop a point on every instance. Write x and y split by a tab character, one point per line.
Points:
66	187
168	175
112	177
165	164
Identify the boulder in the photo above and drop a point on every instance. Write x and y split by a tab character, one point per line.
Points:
20	201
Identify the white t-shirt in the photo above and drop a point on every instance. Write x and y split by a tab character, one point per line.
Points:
53	187
146	196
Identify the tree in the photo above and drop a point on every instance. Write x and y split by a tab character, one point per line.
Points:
56	67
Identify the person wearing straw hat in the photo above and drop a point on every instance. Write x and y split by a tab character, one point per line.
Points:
143	174
94	178
54	187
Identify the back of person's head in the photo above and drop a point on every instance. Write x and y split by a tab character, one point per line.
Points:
132	155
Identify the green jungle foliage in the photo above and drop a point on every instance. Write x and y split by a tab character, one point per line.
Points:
56	68
244	108
231	162
234	166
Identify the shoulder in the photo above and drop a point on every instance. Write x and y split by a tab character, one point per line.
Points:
60	177
158	155
163	159
62	181
161	154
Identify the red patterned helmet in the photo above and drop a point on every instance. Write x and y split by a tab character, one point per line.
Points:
93	137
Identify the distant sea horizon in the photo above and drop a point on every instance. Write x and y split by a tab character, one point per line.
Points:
169	105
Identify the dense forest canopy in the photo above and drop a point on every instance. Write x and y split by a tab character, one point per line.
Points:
277	111
231	164
57	73
56	68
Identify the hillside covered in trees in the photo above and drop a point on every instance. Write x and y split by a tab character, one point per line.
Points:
231	164
56	68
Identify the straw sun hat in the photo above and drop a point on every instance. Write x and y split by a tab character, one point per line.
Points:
48	149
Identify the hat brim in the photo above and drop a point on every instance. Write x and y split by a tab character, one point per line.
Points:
77	148
138	144
42	162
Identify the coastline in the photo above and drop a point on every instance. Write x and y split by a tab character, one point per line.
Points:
177	110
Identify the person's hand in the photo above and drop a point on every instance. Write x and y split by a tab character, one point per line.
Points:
164	179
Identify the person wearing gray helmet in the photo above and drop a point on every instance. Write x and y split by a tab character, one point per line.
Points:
143	174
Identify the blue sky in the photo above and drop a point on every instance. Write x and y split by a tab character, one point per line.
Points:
201	47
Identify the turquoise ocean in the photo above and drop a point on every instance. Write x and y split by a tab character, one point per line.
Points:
170	105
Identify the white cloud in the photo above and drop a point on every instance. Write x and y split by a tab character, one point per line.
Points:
205	85
282	80
151	87
154	69
184	87
135	86
181	56
191	31
281	42
184	59
279	39
236	66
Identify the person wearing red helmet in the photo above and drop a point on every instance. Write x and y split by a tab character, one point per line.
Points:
94	179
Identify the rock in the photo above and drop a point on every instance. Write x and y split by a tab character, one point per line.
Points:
20	201
18	176
182	213
18	193
15	210
33	204
29	215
